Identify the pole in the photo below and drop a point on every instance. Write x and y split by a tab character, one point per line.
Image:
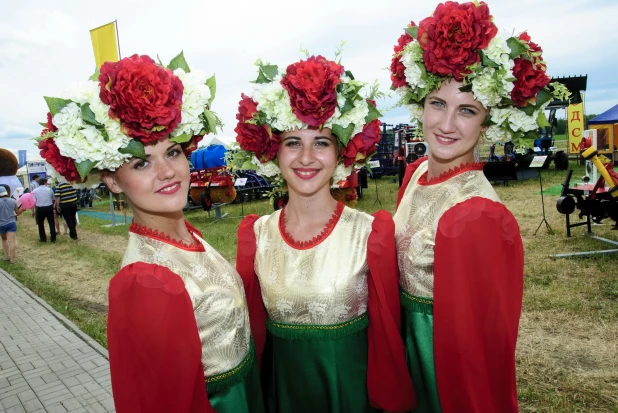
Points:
117	38
111	209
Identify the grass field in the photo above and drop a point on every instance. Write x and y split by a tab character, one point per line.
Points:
567	353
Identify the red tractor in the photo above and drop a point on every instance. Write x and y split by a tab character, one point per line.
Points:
211	186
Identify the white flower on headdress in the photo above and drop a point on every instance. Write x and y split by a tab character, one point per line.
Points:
81	141
497	134
498	51
68	121
489	87
274	101
268	169
516	119
411	56
341	172
416	112
355	116
194	99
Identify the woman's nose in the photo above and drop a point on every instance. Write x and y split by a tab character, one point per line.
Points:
447	123
165	170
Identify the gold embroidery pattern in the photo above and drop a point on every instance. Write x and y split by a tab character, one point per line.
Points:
217	295
325	284
417	218
321	327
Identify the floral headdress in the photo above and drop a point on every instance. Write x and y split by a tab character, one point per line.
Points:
506	74
311	93
102	123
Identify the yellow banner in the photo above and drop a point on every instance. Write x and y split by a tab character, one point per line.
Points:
104	44
575	122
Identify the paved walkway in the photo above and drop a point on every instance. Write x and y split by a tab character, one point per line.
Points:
46	363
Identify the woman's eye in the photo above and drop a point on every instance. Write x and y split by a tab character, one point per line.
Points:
322	144
467	111
173	153
292	143
140	165
437	104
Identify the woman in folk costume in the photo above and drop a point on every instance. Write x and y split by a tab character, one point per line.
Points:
178	327
459	249
321	278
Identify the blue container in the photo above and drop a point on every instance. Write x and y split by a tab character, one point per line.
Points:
209	157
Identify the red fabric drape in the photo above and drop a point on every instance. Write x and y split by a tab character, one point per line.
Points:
245	260
388	381
478	288
154	346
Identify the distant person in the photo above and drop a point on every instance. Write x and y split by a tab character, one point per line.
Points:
34	184
8	223
66	203
44	209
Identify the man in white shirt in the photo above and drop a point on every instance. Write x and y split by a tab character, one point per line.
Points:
45	210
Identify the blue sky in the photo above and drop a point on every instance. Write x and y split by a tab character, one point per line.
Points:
45	46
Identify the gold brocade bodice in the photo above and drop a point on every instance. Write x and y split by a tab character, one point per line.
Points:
216	292
417	218
323	284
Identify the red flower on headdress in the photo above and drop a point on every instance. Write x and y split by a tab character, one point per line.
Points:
258	139
361	144
50	125
144	96
530	75
398	78
62	164
312	85
452	37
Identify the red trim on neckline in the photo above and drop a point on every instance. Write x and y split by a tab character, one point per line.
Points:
138	229
304	245
445	176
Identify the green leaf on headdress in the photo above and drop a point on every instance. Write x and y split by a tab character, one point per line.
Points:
88	115
181	138
55	105
179	62
84	168
541	120
135	149
543	97
344	134
43	124
348	106
211	119
516	46
349	74
95	75
528	110
487	62
412	31
373	114
466	88
266	73
211	82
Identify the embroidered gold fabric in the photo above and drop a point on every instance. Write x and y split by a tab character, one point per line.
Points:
324	284
217	295
417	218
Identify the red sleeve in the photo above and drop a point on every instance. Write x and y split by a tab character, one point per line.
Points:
388	381
410	169
478	288
154	346
245	265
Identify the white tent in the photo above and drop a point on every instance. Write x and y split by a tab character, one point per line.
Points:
216	140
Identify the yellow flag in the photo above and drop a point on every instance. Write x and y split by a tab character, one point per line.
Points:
104	44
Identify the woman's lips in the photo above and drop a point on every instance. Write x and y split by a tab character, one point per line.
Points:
445	140
170	189
305	173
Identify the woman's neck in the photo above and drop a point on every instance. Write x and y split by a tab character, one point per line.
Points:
172	225
437	167
306	216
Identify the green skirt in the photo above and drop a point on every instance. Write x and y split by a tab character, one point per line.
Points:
316	368
417	330
238	390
